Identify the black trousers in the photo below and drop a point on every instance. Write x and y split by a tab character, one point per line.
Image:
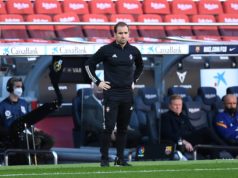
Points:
115	113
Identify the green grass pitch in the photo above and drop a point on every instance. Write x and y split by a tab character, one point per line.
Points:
146	169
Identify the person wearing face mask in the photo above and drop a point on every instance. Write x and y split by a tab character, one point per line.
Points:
12	108
226	123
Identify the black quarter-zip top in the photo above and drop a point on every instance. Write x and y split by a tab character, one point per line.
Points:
122	67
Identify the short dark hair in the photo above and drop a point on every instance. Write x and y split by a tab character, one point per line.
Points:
120	24
11	82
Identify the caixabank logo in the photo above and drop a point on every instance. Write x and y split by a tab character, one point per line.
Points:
22	50
68	50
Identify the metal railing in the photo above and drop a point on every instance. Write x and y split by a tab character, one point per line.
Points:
26	151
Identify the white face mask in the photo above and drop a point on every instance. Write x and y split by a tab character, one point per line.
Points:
18	91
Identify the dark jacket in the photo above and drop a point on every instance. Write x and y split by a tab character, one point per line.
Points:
10	111
122	67
174	127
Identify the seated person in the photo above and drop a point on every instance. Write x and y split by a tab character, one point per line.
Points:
93	121
226	122
176	127
93	117
133	134
12	108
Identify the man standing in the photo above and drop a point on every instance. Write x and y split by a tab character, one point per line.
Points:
226	123
122	67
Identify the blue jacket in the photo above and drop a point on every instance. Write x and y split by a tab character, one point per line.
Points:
227	126
10	111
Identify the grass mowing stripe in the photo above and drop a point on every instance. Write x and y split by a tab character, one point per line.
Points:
117	172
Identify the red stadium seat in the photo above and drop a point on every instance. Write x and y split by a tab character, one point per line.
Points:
209	38
150	31
212	7
205	30
96	31
49	7
76	6
13	31
156	7
2	8
40	31
179	30
228	30
230	38
129	7
19	7
187	7
125	18
230	6
68	31
102	7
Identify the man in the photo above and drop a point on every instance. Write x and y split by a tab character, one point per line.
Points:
12	108
226	122
122	67
176	127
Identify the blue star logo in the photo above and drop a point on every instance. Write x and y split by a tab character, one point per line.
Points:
220	78
6	50
55	50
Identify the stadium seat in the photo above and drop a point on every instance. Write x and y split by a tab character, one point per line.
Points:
21	7
187	7
49	7
204	30
202	121
179	30
230	6
78	134
230	38
211	7
2	8
209	99
13	31
150	31
197	117
181	91
144	107
67	30
129	7
126	18
156	7
231	31
76	6
232	90
40	31
102	7
209	38
96	31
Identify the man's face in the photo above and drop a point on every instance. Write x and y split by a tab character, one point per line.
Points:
231	102
122	35
18	84
176	106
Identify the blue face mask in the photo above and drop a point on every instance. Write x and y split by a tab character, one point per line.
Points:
17	92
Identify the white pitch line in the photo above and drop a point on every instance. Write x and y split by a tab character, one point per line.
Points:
121	172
